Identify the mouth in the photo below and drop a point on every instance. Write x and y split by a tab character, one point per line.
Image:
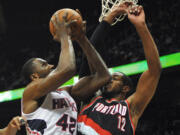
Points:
51	70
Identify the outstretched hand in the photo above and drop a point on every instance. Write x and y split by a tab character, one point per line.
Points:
116	10
121	8
136	15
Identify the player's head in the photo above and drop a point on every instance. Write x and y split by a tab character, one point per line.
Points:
119	84
36	68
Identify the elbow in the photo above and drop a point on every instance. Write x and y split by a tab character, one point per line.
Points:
108	77
159	68
69	70
72	67
155	67
105	77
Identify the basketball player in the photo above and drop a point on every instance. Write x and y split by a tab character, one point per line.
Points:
111	113
13	126
50	110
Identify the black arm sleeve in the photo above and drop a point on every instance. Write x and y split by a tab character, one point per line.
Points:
97	40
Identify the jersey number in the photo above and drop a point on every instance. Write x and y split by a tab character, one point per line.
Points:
121	123
67	122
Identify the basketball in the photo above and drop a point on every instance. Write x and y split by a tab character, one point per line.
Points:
71	15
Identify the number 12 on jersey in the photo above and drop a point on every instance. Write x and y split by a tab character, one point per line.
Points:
121	123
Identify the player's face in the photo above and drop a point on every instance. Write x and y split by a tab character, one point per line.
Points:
116	83
42	67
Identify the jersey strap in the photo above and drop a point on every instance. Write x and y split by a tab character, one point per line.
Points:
89	105
130	117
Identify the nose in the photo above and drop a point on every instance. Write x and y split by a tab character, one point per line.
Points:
51	66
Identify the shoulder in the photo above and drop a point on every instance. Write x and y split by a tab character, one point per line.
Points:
95	98
30	89
32	85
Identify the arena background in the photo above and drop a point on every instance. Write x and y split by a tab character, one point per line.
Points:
24	33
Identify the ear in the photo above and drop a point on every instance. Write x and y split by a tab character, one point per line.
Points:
126	89
34	76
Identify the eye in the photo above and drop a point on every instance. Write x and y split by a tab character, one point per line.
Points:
116	78
44	64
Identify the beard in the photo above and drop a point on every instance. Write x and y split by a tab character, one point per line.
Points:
110	94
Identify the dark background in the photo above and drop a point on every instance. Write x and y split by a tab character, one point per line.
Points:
24	33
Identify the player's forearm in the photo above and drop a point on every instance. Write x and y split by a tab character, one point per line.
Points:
67	56
93	57
63	72
97	40
150	48
99	35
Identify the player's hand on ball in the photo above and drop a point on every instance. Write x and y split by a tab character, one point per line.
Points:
78	30
68	18
62	28
83	22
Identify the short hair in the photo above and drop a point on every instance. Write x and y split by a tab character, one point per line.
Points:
28	69
127	81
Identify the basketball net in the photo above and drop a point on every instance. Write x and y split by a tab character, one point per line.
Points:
107	6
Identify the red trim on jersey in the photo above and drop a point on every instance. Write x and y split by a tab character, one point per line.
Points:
32	132
92	102
130	117
92	124
59	89
109	101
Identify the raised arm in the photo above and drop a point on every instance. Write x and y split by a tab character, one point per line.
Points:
96	39
64	70
89	84
99	35
148	81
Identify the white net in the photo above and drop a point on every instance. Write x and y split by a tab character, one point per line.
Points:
107	6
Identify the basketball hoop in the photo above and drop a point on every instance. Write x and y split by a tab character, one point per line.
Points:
107	6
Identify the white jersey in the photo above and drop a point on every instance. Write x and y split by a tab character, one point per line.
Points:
56	116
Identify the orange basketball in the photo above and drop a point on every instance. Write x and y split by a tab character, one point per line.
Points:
72	15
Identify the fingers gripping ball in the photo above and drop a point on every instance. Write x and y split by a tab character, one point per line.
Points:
71	15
